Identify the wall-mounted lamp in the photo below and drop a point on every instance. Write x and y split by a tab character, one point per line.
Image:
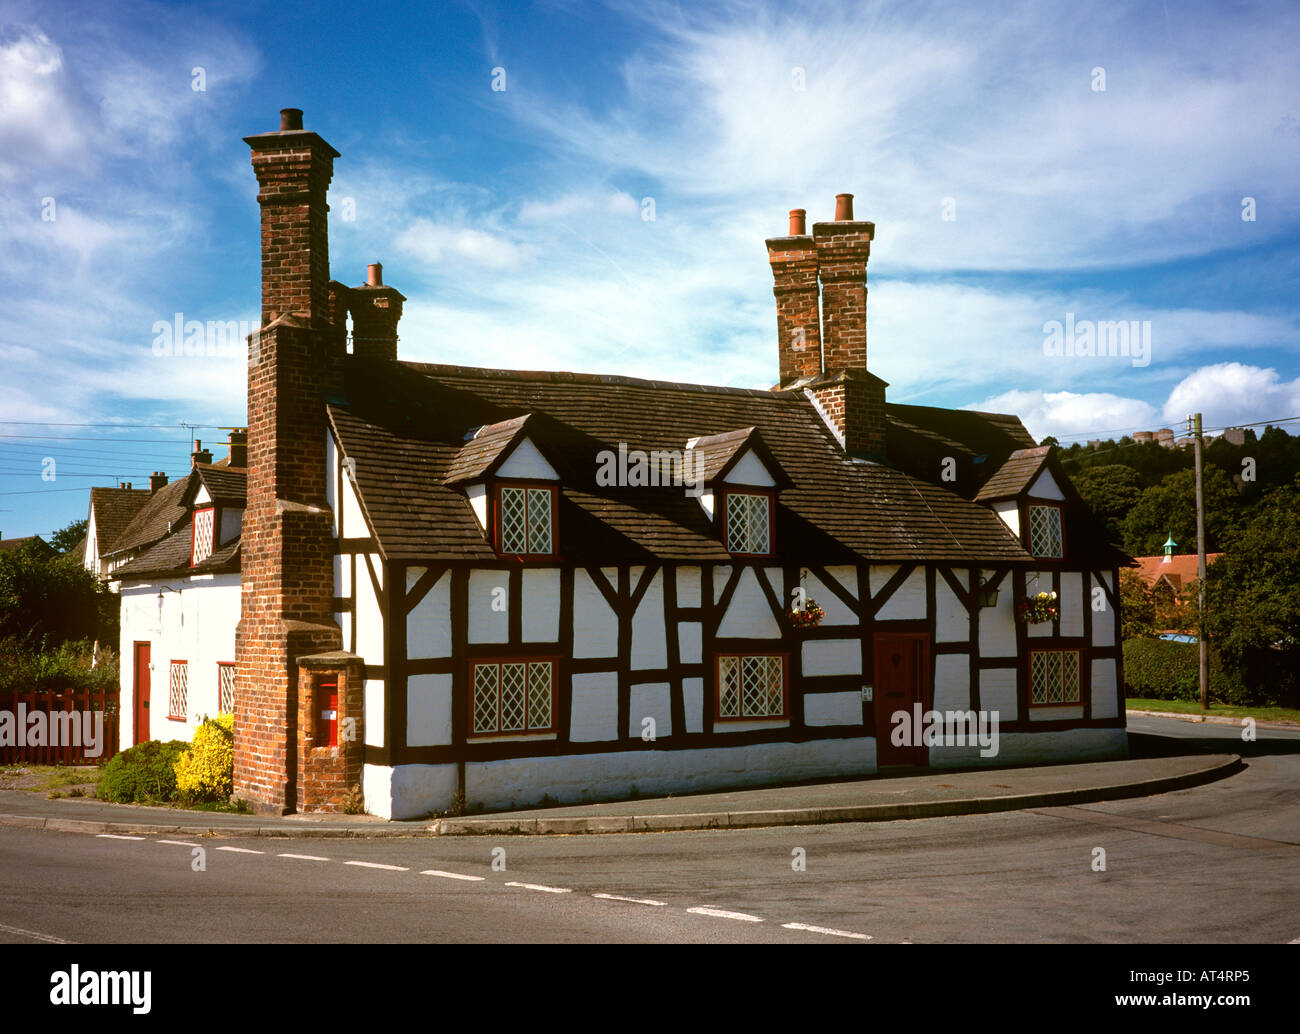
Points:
163	589
988	594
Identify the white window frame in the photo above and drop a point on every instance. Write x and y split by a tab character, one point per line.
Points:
746	667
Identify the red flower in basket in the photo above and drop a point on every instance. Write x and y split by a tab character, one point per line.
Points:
809	616
1039	608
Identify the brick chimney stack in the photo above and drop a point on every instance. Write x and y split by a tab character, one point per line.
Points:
376	310
294	168
287	576
237	448
831	366
157	480
200	454
843	247
794	283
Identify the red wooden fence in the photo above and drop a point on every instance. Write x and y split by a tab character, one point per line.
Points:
17	708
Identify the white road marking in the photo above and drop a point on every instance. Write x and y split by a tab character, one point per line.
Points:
450	875
634	901
720	913
33	934
827	931
538	886
116	836
241	850
178	843
379	865
306	857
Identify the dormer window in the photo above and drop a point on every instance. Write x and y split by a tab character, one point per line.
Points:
736	479
747	517
201	546
511	487
1045	535
525	525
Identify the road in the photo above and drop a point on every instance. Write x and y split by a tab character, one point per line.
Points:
1218	863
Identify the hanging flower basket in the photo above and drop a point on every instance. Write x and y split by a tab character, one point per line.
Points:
810	616
1034	610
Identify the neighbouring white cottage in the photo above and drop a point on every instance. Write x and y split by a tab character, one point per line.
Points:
180	600
505	587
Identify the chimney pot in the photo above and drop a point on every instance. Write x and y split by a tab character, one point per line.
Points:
843	208
375	274
798	222
290	118
121	484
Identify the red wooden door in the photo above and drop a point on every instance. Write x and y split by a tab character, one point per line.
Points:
141	693
902	674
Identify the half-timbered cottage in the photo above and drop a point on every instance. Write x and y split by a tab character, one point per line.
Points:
500	588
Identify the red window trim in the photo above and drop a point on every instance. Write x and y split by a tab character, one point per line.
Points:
474	662
496	519
771	517
1028	540
177	717
220	665
1029	675
785	688
194	524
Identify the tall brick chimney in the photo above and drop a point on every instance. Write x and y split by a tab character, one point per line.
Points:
200	454
157	480
287	541
294	169
843	247
794	283
376	310
833	371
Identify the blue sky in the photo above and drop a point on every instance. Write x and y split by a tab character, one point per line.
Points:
515	220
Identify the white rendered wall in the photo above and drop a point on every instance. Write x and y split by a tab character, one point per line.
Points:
1009	511
951	620
951	682
367	615
526	462
1045	487
650	701
489	607
428	710
998	693
833	708
649	650
748	615
595	707
1103	622
541	605
1105	688
428	625
595	626
198	626
835	610
998	623
832	656
907	602
749	470
1072	603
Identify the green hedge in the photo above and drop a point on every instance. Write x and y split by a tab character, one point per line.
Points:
145	772
1158	669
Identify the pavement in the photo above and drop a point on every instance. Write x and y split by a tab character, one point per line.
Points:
910	794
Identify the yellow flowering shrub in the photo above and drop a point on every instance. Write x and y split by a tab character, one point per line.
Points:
206	772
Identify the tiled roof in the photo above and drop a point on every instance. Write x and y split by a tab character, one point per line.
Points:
1016	474
1180	570
114	509
150	524
717	451
480	454
171	556
404	427
226	484
8	544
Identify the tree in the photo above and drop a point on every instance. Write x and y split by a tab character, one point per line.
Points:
1253	596
68	537
1170	507
1136	606
1050	440
51	597
1110	491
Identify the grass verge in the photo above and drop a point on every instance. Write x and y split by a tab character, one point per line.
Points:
1260	714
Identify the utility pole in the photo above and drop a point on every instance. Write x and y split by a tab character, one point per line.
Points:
1194	426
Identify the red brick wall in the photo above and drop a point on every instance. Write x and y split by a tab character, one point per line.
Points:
287	541
842	252
798	317
856	406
